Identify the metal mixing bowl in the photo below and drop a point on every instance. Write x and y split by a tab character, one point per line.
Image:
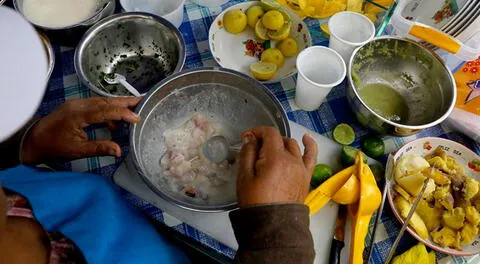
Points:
143	47
235	100
104	9
417	74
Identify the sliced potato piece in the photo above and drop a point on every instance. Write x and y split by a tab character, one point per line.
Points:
412	183
439	177
455	218
447	237
430	216
468	233
415	222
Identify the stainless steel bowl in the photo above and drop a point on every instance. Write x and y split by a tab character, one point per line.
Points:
231	98
49	51
143	47
417	74
105	8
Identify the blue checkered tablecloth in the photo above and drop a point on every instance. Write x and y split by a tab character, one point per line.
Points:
64	85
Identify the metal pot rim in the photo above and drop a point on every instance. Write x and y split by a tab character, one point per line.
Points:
417	127
95	29
81	23
133	155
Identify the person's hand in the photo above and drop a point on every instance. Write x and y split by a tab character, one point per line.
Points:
272	168
60	135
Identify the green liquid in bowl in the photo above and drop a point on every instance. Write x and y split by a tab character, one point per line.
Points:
385	101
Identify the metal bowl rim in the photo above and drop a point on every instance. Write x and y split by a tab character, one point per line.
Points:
416	127
49	51
94	30
81	23
136	160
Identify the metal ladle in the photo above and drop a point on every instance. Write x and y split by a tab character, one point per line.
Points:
115	78
217	148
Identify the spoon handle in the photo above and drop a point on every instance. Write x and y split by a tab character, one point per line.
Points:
130	88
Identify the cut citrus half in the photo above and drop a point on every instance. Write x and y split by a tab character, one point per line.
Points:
344	134
280	34
349	193
324	28
270	4
261	31
263	71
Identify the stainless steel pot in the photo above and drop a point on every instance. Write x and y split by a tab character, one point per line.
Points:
231	98
417	74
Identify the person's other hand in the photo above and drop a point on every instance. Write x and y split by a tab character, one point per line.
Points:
60	135
272	168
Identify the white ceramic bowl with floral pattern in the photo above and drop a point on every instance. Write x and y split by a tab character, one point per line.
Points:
230	50
464	157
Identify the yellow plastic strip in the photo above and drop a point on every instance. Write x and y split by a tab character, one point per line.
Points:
436	38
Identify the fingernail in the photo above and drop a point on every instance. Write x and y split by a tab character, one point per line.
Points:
308	135
247	138
135	116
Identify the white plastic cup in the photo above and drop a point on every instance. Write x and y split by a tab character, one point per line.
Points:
349	30
171	10
319	70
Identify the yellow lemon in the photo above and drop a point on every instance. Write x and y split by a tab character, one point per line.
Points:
325	29
263	71
282	33
273	20
261	31
288	47
234	21
254	13
274	56
349	193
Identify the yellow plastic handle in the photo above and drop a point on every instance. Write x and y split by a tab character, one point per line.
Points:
436	38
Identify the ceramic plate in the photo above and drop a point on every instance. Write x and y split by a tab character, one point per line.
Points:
464	157
434	13
23	71
229	50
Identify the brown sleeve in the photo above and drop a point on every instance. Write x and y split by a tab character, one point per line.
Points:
273	234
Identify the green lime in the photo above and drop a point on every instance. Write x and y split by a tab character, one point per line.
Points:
373	147
348	156
320	174
269	5
378	172
344	134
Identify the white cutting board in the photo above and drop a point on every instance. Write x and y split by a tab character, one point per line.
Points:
218	226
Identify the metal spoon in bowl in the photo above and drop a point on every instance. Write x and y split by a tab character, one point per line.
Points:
115	78
217	148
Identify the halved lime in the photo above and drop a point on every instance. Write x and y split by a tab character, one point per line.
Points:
344	134
270	4
320	174
348	156
373	146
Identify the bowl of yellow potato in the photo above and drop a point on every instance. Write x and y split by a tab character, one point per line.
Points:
260	39
447	217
